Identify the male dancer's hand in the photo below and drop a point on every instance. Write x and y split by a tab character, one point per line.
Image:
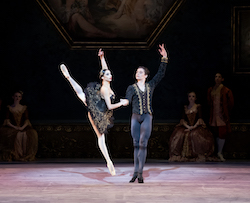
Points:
163	51
124	102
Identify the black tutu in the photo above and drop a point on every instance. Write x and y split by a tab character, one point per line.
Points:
101	115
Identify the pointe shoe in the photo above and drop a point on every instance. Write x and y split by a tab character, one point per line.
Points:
111	168
221	156
64	71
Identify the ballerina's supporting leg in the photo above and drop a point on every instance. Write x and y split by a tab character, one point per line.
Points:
102	146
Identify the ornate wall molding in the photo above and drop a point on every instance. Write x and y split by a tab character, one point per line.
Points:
157	127
240	40
79	141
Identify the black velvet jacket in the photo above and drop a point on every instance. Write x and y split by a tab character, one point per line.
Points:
133	94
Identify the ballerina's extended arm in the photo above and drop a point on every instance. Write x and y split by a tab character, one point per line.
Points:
105	91
102	58
74	84
106	95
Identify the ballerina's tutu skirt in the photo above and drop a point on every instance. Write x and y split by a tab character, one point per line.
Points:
101	115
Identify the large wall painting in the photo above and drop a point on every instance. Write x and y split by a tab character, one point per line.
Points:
123	24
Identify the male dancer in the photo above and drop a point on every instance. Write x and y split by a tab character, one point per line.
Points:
140	95
221	101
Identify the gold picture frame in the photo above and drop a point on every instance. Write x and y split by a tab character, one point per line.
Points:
54	14
241	39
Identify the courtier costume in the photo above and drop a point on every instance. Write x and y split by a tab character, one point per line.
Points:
221	102
194	145
141	121
17	144
96	105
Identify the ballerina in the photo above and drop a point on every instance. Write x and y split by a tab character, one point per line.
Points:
99	99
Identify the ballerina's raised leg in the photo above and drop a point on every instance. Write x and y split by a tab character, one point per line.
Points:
77	88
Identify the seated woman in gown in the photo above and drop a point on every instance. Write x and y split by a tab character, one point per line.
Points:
191	140
18	140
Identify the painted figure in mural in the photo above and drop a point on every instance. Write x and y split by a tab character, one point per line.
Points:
221	101
110	18
140	96
18	140
134	18
99	99
138	9
191	140
75	14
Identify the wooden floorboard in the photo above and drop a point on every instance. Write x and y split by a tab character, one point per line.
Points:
89	181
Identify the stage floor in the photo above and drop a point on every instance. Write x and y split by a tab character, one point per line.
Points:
82	181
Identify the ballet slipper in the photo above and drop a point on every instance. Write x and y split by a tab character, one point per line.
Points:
111	168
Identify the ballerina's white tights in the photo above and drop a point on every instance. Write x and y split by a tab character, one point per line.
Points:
103	148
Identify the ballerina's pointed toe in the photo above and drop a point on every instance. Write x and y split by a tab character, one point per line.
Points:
64	70
111	168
